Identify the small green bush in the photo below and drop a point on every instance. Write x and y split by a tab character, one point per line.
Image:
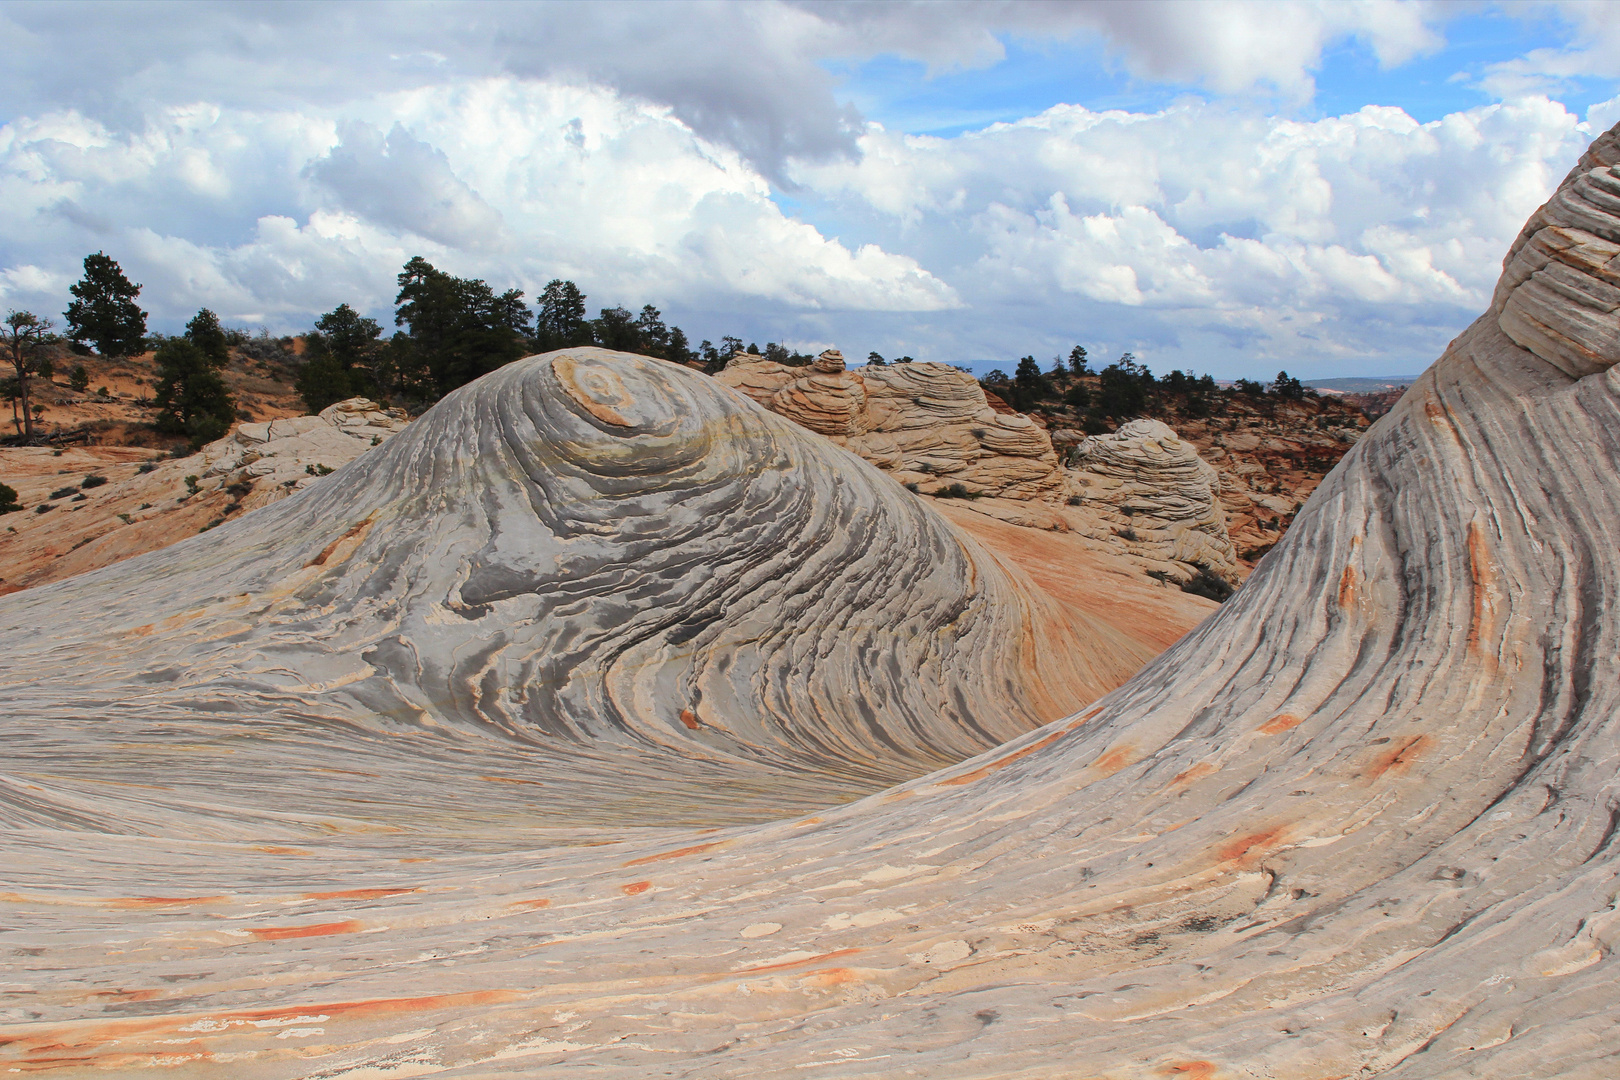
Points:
956	491
1207	585
92	481
8	499
62	493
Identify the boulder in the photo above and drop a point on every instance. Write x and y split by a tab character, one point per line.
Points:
1144	486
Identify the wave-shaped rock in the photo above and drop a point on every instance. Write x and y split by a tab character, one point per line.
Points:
1361	822
605	558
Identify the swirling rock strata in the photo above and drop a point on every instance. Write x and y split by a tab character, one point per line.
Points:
1361	822
1144	487
927	424
606	559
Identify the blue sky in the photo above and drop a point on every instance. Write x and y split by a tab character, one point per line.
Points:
1220	186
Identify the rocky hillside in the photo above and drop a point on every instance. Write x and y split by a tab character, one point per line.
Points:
86	507
1269	453
116	407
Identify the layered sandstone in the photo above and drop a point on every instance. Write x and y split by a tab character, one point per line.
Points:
928	425
150	500
437	768
1145	489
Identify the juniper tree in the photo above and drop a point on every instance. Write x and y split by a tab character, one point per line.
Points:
104	313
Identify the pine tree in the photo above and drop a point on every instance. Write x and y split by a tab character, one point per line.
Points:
340	358
562	322
104	313
1077	360
205	332
459	327
191	398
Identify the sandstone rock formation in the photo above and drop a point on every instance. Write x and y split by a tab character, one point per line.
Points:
927	424
148	502
302	818
1145	488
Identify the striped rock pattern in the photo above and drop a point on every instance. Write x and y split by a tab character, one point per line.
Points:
1144	487
927	424
1361	822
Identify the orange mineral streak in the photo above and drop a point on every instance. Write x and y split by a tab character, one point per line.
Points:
1197	772
1398	758
1246	851
1190	1070
358	894
1347	588
1482	569
834	955
1280	723
357	529
678	853
1115	760
1002	762
87	1037
510	780
635	887
273	849
531	905
689	718
138	902
283	933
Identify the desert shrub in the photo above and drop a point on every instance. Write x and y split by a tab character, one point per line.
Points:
92	481
79	379
8	499
62	493
956	491
1208	585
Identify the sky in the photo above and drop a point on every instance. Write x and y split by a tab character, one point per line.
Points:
1220	187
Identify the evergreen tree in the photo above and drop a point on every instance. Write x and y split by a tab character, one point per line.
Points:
340	356
205	332
655	336
8	499
104	312
876	360
1077	360
1120	391
1028	385
562	322
1287	387
679	351
78	379
459	327
616	328
191	398
22	339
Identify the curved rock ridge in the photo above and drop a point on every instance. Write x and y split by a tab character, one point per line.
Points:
1143	486
607	569
1360	823
927	424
